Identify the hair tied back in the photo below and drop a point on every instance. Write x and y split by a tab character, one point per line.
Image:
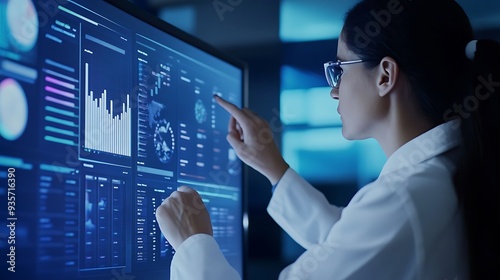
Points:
470	49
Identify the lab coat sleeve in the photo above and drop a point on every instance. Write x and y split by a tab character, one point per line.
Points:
199	257
302	211
370	241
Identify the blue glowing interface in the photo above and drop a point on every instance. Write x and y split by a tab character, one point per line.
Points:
102	116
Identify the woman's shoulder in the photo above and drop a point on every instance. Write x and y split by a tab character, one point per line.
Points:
430	176
427	187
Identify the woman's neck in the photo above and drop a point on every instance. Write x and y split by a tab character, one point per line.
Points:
403	123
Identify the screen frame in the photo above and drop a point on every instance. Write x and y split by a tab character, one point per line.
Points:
153	20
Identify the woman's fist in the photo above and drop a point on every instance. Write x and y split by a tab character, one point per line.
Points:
182	215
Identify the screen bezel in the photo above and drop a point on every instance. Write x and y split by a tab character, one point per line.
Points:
190	39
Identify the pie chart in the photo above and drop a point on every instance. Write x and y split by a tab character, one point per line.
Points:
22	23
13	109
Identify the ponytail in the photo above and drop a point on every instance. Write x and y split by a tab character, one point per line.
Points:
477	179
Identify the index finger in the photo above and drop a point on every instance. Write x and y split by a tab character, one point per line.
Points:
236	112
185	189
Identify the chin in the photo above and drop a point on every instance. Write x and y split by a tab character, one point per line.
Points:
346	133
350	135
349	138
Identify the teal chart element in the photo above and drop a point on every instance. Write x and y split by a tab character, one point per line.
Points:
13	109
22	23
200	111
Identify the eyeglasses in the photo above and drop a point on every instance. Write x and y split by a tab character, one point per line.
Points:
333	72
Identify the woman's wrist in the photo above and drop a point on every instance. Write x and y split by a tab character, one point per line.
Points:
279	169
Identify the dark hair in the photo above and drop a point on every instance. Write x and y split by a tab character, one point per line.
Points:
427	39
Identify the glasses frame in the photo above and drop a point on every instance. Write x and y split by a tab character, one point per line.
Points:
333	72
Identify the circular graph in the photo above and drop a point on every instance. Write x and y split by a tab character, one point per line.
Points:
200	112
22	23
164	141
13	109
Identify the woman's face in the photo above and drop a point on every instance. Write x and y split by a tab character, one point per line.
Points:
359	102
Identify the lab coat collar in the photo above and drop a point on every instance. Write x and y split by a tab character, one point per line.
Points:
432	143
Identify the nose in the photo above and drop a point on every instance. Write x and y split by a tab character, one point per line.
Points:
334	93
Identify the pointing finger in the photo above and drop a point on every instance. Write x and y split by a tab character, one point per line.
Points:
236	112
185	189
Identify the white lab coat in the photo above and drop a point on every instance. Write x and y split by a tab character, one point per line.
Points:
405	225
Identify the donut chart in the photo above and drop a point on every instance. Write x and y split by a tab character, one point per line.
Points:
13	110
22	24
164	141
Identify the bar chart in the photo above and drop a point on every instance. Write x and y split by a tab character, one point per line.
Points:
106	130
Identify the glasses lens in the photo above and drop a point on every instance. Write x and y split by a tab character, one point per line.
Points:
333	73
337	73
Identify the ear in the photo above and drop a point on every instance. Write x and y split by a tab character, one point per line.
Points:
387	75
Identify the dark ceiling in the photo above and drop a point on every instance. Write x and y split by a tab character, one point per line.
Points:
235	23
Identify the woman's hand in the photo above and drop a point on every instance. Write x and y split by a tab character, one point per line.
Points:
253	141
182	215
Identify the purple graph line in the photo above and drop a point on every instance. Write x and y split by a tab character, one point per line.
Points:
60	92
61	102
59	82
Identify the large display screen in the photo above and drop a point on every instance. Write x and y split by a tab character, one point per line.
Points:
104	112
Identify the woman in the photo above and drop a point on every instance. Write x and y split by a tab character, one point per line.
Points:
402	76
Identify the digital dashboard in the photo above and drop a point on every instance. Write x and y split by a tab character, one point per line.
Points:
104	112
